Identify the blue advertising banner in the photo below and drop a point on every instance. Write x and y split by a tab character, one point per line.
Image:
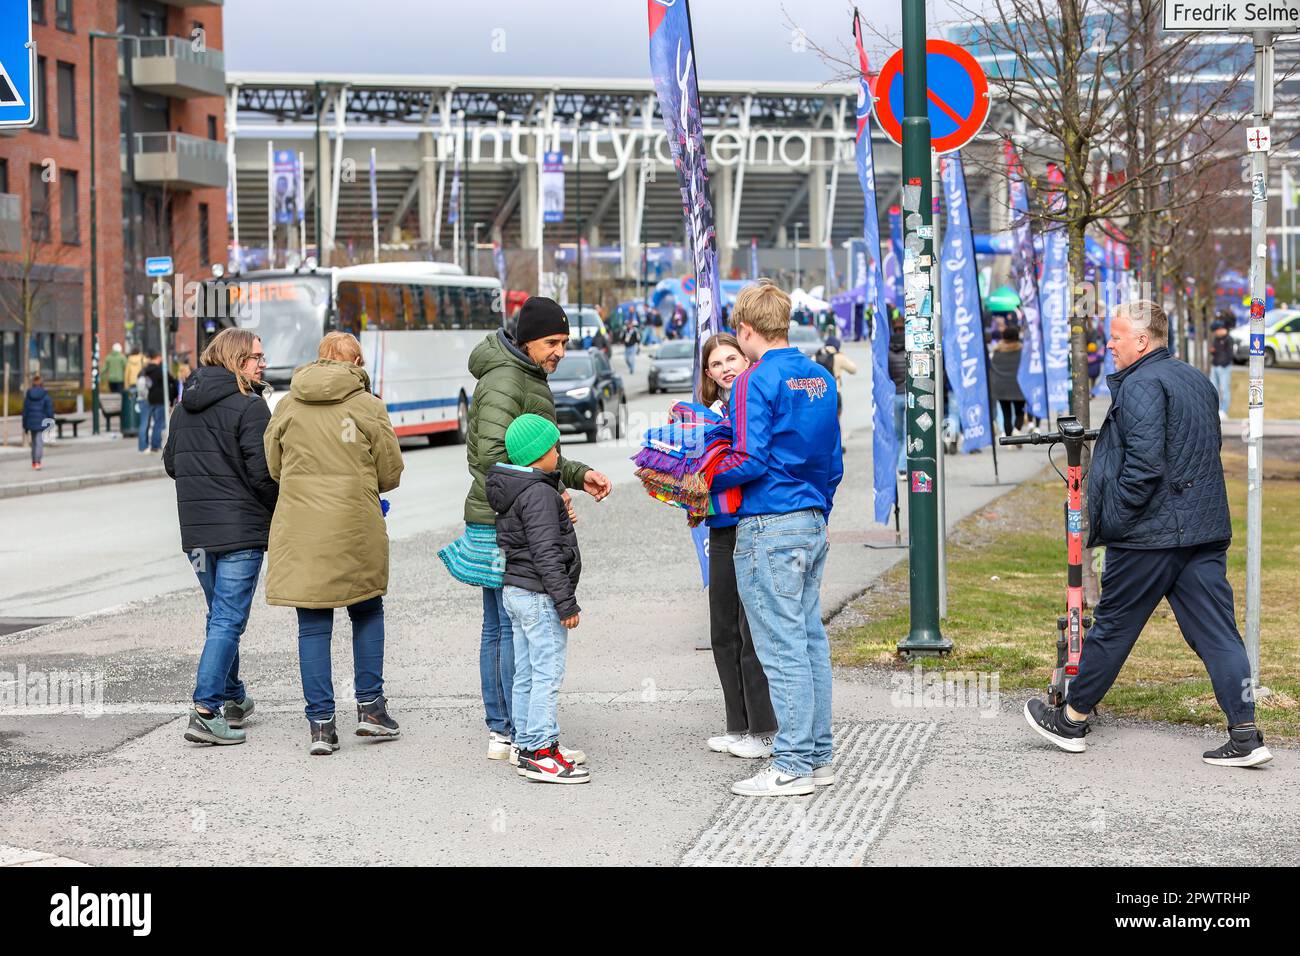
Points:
672	68
1033	373
884	447
1056	306
284	182
963	330
893	259
753	258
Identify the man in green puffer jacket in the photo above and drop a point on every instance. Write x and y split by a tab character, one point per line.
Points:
511	376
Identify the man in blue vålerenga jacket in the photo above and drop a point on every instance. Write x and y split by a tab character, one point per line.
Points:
1156	499
786	455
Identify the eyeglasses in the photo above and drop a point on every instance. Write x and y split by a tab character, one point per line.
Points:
258	357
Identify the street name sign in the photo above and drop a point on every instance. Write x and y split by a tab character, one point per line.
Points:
158	266
1279	16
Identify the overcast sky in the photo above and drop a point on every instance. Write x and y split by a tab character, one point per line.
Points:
734	39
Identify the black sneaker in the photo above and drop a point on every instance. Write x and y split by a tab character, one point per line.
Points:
1052	723
373	719
324	738
1245	748
238	711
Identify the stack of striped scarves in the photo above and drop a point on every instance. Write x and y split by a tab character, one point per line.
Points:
677	462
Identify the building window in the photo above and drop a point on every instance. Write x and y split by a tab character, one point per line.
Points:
4	175
38	11
39	193
152	23
69	211
67	82
63	14
205	251
42	101
212	127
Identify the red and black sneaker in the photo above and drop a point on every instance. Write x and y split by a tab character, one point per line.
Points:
549	765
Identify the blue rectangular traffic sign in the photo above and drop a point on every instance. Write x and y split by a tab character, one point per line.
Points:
18	97
158	266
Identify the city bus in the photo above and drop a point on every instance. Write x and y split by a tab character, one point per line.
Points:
417	323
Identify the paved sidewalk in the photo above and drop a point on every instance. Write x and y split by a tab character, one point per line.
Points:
915	785
70	463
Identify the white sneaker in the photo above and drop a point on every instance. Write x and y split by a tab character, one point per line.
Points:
773	783
498	746
823	776
722	742
750	747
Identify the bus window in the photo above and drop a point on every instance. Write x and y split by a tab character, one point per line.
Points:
351	308
454	298
432	312
389	312
482	316
414	308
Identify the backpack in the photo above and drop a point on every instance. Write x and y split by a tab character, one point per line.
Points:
826	359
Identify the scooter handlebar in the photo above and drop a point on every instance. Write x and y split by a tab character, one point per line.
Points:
1039	438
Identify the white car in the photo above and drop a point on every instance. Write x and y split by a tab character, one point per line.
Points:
1281	339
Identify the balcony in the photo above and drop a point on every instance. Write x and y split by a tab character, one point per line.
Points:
180	161
171	66
11	222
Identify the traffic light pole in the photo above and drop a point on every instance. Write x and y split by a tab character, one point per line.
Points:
923	424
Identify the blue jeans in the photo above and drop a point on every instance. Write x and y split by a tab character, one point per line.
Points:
315	627
154	415
1221	376
540	643
900	430
496	662
629	354
228	582
779	563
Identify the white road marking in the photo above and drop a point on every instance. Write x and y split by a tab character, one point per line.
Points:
833	827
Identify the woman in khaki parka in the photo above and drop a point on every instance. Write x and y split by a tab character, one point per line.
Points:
332	448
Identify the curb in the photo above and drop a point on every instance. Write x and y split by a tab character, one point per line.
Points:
84	481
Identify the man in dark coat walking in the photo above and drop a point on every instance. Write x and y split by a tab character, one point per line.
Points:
1157	500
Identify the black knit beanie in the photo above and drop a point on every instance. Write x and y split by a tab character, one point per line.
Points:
540	317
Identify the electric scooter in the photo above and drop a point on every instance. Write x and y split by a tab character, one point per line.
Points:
1072	628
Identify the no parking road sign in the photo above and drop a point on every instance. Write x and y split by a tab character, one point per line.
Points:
958	94
17	65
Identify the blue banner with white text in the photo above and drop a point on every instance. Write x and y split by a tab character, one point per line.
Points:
963	331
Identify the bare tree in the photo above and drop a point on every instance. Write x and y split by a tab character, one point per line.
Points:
30	281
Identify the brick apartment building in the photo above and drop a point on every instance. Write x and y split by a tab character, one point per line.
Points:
160	177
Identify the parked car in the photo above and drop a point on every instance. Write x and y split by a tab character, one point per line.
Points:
671	366
805	339
589	397
1281	339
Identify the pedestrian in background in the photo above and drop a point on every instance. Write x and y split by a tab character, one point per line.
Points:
154	413
751	722
115	369
332	448
1004	367
225	497
134	366
38	415
631	345
1157	501
511	373
542	567
787	459
1221	367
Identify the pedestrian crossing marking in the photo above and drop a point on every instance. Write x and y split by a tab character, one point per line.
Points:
837	825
